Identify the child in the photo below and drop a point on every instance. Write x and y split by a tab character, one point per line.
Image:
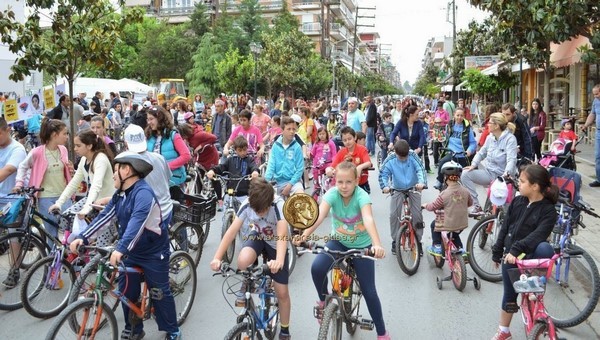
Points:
235	121
451	208
262	214
424	117
332	123
439	137
399	173
383	134
250	132
361	138
355	153
353	227
322	153
274	130
568	133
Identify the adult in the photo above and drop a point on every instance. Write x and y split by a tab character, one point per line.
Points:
335	104
260	119
61	111
371	117
521	130
162	138
355	118
276	111
221	126
410	129
441	118
285	104
397	112
527	225
97	98
460	137
466	110
489	109
595	115
537	126
114	99
198	104
449	106
500	155
306	125
83	102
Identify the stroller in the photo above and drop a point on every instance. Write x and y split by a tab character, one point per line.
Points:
561	154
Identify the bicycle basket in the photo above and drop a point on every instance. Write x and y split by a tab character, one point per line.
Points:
529	280
197	209
12	213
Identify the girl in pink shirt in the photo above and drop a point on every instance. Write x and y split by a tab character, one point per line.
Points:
322	154
260	120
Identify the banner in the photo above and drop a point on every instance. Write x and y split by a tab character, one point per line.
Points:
49	97
10	111
481	62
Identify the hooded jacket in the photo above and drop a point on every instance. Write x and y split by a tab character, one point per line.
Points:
500	154
286	165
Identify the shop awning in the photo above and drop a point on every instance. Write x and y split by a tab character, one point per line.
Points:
462	86
566	53
492	70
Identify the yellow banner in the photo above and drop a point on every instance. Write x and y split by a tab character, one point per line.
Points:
10	110
49	98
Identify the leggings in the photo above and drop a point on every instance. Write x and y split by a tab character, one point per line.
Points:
365	273
536	144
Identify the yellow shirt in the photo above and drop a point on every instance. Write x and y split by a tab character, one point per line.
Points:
302	130
54	179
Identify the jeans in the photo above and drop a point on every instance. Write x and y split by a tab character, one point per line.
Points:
43	204
425	154
371	140
597	156
473	177
436	236
542	251
536	145
396	209
365	273
436	151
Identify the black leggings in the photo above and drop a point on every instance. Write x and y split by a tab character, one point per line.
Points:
536	144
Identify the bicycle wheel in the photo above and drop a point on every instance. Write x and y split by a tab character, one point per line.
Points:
479	248
331	325
407	251
46	286
572	298
182	281
189	238
93	315
272	312
379	159
292	254
459	272
240	331
539	331
227	220
10	297
352	303
206	230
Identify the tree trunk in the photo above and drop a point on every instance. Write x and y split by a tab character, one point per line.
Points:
546	102
71	80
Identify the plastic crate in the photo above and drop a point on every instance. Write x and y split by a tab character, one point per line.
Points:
197	209
22	211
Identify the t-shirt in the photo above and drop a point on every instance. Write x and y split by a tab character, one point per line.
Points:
355	119
302	130
346	220
34	123
252	135
262	122
596	111
359	156
13	154
264	227
54	177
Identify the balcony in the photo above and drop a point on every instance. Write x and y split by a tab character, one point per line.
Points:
341	11
311	28
306	4
338	31
266	6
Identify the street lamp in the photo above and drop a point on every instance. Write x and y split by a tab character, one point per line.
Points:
256	49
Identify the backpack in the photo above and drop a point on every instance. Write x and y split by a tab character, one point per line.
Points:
314	135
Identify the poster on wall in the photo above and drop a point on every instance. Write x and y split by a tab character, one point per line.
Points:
10	111
49	97
37	104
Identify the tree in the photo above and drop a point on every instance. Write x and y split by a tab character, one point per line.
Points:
426	82
483	84
251	22
234	71
200	20
82	32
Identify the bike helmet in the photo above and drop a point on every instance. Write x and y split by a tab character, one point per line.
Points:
137	162
451	168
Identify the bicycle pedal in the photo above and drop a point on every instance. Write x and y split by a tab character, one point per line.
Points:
318	312
156	294
366	324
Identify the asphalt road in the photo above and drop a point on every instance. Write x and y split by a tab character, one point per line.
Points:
413	306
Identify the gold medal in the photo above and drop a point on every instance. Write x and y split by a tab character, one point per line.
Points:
301	211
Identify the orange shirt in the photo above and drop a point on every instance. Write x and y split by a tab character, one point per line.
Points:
358	157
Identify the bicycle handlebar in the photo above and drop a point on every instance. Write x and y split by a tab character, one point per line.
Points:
311	247
537	263
27	190
581	206
253	271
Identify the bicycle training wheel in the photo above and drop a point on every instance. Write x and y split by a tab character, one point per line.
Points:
573	290
459	272
99	320
227	220
407	251
182	281
479	248
331	325
10	297
46	286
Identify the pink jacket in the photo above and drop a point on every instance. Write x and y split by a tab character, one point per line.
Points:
37	162
319	150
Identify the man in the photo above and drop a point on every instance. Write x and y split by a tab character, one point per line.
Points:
285	104
449	106
78	110
61	111
521	131
276	111
371	119
355	118
221	123
97	98
83	102
335	104
595	115
114	99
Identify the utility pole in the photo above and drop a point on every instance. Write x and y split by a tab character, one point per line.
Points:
356	26
454	76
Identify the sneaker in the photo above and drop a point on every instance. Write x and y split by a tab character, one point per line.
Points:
126	335
420	248
284	336
476	211
12	279
595	184
386	336
437	185
500	335
174	336
393	247
220	206
435	250
430	171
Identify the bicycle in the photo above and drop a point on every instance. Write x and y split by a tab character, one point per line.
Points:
232	205
537	322
456	264
343	304
255	317
92	317
32	141
322	183
407	247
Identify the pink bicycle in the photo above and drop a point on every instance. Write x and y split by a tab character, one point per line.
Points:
529	279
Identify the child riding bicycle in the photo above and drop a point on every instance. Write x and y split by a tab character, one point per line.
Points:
262	214
451	209
399	173
353	228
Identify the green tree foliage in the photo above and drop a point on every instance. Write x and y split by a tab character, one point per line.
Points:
488	85
234	71
200	20
426	82
251	22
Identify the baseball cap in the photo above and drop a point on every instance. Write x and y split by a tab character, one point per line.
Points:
135	138
498	192
296	118
88	113
147	104
187	115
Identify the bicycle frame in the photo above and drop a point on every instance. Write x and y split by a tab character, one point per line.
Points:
256	315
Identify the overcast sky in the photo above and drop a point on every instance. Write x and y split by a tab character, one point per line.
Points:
408	24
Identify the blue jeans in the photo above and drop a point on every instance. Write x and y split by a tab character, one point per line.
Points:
371	140
543	251
43	204
597	155
365	273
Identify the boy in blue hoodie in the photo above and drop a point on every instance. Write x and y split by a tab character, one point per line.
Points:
286	161
400	173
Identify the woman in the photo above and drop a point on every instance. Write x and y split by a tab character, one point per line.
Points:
94	168
461	138
162	138
98	127
499	153
397	112
241	102
528	223
489	109
306	126
537	126
198	104
467	111
260	120
410	128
